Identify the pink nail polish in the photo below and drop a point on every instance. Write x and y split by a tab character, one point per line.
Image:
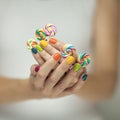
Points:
37	68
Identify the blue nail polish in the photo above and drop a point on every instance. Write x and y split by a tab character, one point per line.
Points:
34	50
84	77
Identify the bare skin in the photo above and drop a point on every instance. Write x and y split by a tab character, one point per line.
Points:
100	84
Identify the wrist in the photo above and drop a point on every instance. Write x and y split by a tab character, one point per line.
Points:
29	90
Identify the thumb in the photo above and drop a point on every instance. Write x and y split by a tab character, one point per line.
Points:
34	69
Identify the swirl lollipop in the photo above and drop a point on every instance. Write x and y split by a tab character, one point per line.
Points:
67	49
31	43
84	59
40	34
50	30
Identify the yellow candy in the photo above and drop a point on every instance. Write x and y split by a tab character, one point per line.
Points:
43	43
70	60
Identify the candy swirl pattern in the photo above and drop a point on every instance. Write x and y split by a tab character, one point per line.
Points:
31	43
67	50
50	30
40	34
84	59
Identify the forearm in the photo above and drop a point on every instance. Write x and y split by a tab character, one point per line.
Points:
14	90
98	87
106	35
101	83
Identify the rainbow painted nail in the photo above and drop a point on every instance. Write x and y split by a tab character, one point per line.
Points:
70	60
56	56
52	40
43	43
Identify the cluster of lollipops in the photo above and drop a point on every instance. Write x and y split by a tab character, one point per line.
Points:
68	49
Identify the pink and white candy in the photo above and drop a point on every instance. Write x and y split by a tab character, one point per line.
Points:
50	30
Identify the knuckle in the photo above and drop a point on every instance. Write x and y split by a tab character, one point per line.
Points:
61	87
63	68
53	79
72	73
41	75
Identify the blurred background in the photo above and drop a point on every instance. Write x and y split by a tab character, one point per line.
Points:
111	109
18	21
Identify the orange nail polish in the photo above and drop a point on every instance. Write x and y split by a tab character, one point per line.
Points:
56	56
52	40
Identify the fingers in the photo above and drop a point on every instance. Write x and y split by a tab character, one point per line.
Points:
75	88
65	82
37	56
55	43
77	68
59	72
34	69
79	84
47	47
40	55
46	68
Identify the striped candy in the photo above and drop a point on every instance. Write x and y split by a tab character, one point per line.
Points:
84	59
67	50
31	43
40	34
50	30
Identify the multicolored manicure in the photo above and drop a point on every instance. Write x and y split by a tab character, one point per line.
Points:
77	67
37	68
39	48
70	60
34	50
56	56
84	77
43	43
52	40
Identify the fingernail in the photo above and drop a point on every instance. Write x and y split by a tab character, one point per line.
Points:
34	50
56	56
70	60
39	48
52	40
43	43
37	68
77	67
84	77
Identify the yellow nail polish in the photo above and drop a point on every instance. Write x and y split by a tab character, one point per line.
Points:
70	60
43	43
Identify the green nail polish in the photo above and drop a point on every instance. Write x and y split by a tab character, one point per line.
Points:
77	67
39	48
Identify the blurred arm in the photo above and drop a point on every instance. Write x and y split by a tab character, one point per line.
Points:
100	85
14	90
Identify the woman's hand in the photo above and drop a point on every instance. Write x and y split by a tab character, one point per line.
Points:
43	54
53	84
56	77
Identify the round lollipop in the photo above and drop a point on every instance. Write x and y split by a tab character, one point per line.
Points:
31	43
40	34
84	59
67	49
50	30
